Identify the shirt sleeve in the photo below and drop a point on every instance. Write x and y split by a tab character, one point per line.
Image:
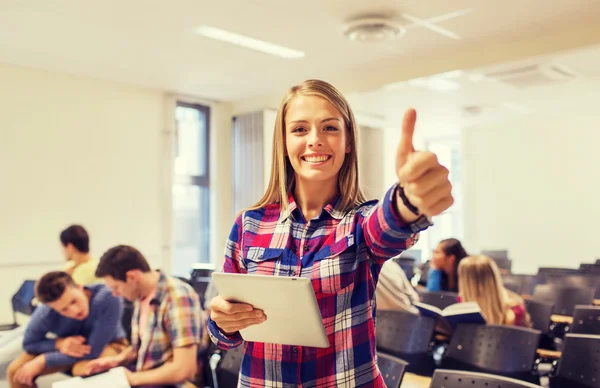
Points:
34	339
434	280
385	234
184	322
232	264
105	323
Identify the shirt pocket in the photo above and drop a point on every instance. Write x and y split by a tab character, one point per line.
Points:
263	261
336	272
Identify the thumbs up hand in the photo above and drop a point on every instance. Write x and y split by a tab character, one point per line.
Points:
423	178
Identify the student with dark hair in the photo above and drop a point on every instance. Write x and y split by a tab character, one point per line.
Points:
87	324
81	266
165	328
443	272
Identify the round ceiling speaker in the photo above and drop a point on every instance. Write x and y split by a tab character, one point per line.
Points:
373	29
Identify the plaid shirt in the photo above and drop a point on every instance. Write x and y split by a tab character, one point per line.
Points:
173	322
342	253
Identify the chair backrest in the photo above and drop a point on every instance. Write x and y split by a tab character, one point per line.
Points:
445	378
586	320
513	282
440	300
580	360
22	300
392	369
400	333
229	367
506	350
496	254
504	264
564	298
540	312
591	280
558	270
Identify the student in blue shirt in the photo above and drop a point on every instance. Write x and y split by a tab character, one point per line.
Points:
443	270
85	323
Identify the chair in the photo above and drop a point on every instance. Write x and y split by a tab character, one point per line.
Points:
513	283
540	312
400	333
228	369
559	271
508	351
504	264
440	300
495	254
407	336
579	365
444	378
586	320
585	279
392	369
564	298
23	302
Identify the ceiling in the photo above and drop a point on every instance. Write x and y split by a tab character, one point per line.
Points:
481	97
150	43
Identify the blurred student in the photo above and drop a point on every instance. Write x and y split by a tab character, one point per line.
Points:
479	281
394	291
443	268
85	320
80	265
166	326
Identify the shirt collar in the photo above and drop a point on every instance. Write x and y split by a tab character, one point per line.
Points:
160	290
332	208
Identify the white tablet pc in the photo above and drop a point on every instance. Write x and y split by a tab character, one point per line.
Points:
293	315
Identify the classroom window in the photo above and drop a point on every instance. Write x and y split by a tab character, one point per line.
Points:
191	188
450	223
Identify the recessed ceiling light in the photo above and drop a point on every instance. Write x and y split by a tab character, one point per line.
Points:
248	42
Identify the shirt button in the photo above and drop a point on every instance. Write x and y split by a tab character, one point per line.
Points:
306	247
295	349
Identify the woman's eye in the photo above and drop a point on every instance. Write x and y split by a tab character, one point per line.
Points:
330	128
297	130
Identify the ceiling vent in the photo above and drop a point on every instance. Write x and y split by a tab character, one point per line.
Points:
532	75
373	29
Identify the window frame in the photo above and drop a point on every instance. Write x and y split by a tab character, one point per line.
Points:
201	181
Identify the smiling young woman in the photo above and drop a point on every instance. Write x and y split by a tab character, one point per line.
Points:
313	221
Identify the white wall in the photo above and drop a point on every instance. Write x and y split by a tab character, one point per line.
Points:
532	186
93	152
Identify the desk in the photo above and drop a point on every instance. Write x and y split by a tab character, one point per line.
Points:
411	380
549	354
561	319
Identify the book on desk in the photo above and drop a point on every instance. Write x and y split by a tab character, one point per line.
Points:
114	378
451	316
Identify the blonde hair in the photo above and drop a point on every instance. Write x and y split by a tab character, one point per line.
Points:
479	281
282	178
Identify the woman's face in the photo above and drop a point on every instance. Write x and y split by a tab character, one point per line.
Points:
440	260
316	140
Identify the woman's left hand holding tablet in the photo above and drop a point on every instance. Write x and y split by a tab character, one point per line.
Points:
233	317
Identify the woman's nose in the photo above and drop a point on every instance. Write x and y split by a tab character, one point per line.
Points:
314	138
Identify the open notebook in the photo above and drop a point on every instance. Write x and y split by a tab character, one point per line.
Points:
467	312
114	378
